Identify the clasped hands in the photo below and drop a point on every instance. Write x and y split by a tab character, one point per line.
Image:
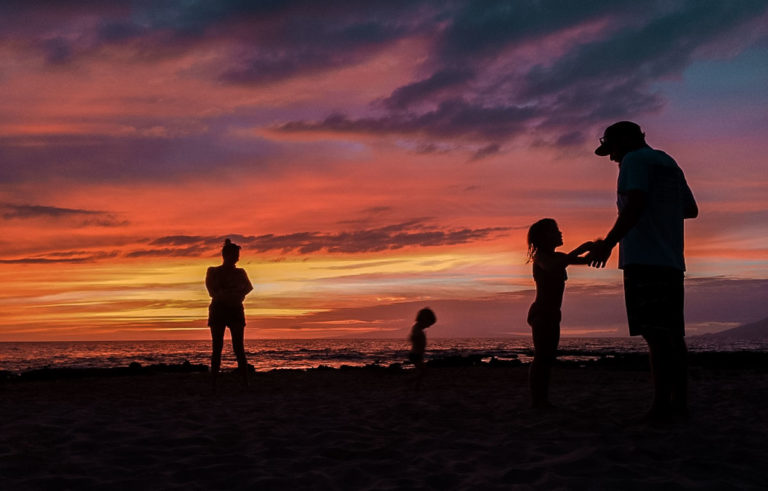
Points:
599	252
595	253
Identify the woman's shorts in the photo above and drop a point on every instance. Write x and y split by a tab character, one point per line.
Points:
654	297
220	316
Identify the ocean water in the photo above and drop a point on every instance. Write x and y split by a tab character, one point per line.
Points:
300	354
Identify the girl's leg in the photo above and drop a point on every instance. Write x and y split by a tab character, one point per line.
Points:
419	369
546	337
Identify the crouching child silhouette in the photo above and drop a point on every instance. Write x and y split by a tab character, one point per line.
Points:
227	285
544	315
418	338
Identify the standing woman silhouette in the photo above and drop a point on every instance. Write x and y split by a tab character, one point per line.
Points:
227	285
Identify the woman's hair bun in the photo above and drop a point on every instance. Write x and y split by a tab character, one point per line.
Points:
230	247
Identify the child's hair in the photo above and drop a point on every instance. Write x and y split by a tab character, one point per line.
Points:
230	249
426	317
537	235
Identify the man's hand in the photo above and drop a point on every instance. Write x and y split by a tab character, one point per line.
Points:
599	254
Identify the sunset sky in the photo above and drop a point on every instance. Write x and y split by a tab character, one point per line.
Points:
371	158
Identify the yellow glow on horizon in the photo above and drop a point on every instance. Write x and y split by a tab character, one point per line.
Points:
132	298
132	295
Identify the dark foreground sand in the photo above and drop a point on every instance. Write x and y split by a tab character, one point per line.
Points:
470	428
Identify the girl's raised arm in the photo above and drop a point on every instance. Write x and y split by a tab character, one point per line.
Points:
573	256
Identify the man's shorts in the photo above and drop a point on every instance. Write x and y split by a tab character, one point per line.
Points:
654	297
221	316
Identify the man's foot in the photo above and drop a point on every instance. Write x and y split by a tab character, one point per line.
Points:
542	406
665	416
681	414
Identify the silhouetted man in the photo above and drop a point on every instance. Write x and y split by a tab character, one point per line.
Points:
653	201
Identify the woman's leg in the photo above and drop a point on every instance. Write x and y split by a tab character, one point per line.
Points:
217	341
238	346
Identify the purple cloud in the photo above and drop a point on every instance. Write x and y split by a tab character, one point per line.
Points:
81	217
417	92
452	118
74	257
392	237
600	79
469	87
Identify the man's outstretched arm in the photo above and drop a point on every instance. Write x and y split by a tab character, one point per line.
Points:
628	218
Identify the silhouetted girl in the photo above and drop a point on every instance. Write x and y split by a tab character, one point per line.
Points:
227	286
544	315
424	319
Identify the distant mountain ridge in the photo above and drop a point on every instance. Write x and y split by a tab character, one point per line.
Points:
752	331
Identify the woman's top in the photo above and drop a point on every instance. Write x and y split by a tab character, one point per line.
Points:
227	285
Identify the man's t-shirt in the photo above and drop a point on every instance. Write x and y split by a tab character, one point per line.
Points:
657	239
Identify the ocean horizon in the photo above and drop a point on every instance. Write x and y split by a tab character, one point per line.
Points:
270	354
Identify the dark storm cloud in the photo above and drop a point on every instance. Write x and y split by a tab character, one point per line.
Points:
36	211
81	217
479	30
452	118
408	234
319	47
571	138
468	87
193	251
260	41
606	77
486	151
179	240
417	92
612	77
75	257
661	46
104	157
57	51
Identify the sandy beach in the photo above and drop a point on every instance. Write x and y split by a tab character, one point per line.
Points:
469	428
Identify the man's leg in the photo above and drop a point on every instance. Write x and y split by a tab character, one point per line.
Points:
659	351
671	302
679	382
654	298
669	371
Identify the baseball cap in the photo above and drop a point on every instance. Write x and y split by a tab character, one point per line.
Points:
622	128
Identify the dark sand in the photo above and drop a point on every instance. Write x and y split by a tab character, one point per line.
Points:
469	428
